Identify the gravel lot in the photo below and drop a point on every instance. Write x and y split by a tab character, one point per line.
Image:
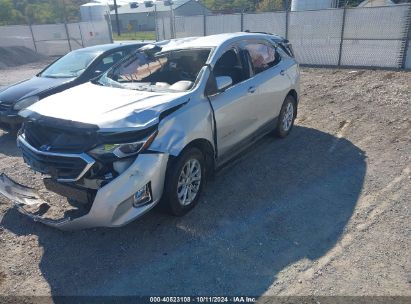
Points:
323	212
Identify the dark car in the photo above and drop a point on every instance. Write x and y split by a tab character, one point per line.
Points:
74	68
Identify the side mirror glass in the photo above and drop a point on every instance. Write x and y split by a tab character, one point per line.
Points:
223	82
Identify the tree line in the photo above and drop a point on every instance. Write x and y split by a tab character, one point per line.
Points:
39	11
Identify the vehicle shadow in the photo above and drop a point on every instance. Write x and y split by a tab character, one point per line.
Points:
8	144
282	202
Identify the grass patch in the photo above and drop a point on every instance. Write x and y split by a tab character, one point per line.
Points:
135	36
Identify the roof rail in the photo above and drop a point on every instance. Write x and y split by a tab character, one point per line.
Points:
248	31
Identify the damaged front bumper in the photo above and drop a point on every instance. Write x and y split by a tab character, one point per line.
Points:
112	205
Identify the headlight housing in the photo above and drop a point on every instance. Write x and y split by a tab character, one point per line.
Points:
117	151
25	103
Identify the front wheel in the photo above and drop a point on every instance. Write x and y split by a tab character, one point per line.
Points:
286	118
184	182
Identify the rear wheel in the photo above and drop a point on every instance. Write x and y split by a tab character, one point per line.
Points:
287	116
184	182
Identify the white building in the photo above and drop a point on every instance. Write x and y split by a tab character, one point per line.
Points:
141	18
371	3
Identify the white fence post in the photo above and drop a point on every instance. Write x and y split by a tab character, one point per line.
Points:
32	36
68	36
342	35
407	40
205	24
110	30
81	34
287	22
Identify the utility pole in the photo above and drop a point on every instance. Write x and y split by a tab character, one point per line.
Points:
117	21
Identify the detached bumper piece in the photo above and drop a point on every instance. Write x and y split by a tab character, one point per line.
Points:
27	201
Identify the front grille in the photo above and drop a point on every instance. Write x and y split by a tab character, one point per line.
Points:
63	167
58	140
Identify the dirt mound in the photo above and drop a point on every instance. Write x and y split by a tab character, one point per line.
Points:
17	55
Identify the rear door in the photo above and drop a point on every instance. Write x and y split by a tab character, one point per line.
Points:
272	82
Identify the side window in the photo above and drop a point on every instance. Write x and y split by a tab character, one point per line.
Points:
263	56
107	62
230	65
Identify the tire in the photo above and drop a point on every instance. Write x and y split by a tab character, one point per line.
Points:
286	118
174	201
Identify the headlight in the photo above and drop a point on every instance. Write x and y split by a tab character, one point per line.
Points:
25	103
107	151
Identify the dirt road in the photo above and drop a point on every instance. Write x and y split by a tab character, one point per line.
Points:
324	212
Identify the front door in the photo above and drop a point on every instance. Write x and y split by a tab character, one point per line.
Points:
234	108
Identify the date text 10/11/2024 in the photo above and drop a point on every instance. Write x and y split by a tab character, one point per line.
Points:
203	299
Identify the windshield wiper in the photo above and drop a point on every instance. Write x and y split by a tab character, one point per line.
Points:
58	76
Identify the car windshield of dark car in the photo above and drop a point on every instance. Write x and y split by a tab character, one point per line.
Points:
71	65
175	70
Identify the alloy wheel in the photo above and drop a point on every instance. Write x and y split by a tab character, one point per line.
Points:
288	117
189	182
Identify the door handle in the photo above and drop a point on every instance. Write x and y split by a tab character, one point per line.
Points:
252	89
282	73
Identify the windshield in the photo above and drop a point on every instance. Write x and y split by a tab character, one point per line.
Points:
175	70
71	65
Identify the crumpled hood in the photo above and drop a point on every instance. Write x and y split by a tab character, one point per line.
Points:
30	87
107	107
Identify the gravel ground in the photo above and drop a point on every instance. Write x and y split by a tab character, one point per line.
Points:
11	56
323	212
11	75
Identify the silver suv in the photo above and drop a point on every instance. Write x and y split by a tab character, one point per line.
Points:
154	127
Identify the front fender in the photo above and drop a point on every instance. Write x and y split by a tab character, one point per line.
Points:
192	121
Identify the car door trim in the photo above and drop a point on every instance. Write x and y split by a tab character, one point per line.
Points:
246	143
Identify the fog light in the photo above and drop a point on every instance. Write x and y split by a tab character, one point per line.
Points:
142	196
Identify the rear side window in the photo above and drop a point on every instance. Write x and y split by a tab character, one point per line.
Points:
263	56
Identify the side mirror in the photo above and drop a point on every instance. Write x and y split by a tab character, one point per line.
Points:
223	82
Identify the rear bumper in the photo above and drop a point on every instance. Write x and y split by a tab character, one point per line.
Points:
111	207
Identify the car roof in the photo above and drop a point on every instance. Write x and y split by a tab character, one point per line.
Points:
212	41
101	48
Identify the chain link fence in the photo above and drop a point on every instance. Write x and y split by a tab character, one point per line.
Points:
56	39
350	37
